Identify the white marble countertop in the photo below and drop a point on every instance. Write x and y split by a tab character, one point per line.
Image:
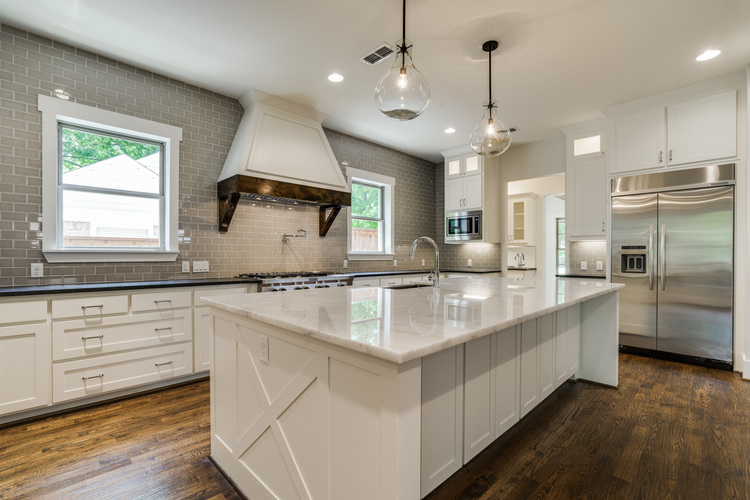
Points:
400	325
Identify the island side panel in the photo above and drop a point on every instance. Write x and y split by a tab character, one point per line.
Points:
315	421
599	339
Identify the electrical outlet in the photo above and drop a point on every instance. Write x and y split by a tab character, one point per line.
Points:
200	266
395	262
468	263
37	270
423	262
185	266
346	263
263	348
599	265
584	266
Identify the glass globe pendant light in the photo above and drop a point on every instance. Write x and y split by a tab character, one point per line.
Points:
491	137
402	93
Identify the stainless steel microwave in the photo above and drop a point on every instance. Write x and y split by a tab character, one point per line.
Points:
463	226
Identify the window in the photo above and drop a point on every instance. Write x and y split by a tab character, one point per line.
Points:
370	217
109	185
560	223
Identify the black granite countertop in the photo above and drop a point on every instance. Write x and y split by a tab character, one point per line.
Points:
524	268
126	285
585	276
13	291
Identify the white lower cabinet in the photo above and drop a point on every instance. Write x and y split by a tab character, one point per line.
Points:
24	356
442	416
63	347
475	392
202	334
102	374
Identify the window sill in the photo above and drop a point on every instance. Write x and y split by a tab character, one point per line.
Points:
54	256
370	256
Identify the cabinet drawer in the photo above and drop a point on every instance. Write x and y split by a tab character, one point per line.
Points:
89	306
213	292
94	376
161	301
21	312
79	338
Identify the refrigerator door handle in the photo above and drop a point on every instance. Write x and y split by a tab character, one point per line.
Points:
651	257
662	260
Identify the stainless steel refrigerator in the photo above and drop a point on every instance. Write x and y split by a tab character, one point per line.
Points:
672	241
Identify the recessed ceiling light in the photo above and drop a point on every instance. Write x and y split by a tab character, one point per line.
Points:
450	130
709	54
335	77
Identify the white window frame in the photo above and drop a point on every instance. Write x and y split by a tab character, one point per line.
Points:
388	184
57	110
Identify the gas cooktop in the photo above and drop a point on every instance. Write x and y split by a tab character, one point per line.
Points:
282	275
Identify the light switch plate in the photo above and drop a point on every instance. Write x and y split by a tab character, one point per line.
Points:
584	266
395	262
200	266
185	266
599	265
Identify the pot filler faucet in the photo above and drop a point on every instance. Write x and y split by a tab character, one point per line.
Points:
436	282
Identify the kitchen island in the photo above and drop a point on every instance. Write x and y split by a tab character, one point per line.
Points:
370	392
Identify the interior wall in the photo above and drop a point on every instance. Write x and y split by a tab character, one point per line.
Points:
31	65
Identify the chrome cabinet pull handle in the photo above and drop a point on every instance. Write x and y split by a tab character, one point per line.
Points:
162	364
91	307
661	157
101	375
163	300
163	328
670	155
92	337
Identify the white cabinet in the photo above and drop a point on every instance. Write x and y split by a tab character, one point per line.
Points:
24	356
464	193
687	131
202	334
567	343
461	165
442	416
521	217
586	200
537	361
586	189
473	183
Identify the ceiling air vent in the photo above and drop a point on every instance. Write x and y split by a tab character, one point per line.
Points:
377	54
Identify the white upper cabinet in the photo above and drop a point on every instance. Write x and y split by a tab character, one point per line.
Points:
586	191
466	164
688	131
521	215
702	129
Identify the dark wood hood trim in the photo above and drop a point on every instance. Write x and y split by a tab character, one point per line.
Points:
230	191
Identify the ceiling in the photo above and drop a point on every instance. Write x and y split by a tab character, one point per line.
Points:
559	61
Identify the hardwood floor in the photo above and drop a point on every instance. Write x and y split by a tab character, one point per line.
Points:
669	431
154	446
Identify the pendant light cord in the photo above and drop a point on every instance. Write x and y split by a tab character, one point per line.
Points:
490	77
403	39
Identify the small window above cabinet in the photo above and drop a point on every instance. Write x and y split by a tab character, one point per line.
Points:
521	214
585	145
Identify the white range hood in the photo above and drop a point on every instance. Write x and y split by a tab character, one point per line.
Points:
280	153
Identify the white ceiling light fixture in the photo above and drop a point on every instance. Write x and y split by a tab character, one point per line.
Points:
402	93
491	137
450	130
335	78
709	54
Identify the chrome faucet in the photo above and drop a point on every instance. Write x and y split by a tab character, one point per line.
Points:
435	283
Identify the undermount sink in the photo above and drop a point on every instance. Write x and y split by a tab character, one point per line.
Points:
407	285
